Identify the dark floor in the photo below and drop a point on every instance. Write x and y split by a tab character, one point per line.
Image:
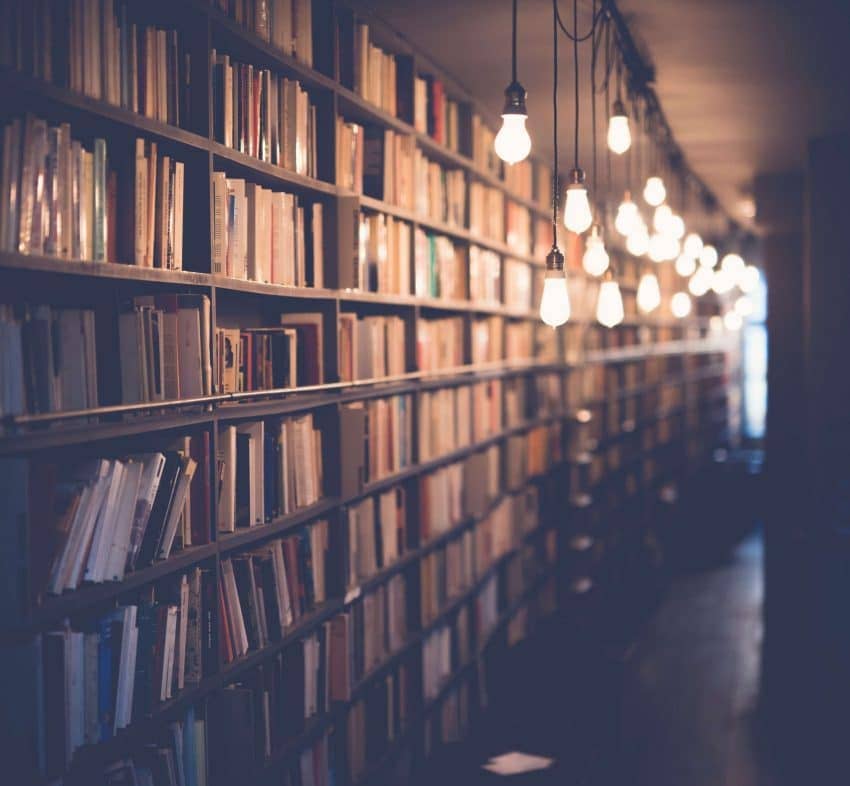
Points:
678	710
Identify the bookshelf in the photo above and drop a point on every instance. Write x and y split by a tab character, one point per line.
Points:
568	429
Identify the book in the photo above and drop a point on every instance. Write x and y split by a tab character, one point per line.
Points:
371	347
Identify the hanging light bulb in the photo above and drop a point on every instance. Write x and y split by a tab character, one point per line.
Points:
637	243
555	301
732	320
657	248
734	265
708	256
661	218
609	306
654	192
715	324
685	264
627	216
693	245
700	281
680	305
671	247
512	143
722	281
619	135
577	215
749	279
648	293
676	226
744	306
595	259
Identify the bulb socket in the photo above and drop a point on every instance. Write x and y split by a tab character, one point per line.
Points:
618	109
576	177
554	260
515	100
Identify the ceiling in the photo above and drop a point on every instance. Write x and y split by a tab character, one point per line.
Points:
744	83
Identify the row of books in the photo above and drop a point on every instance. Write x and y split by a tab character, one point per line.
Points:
98	679
384	254
376	439
485	276
439	343
104	518
371	347
104	50
444	574
444	421
266	358
518	227
375	721
267	469
440	192
264	592
48	359
377	162
531	180
375	72
435	114
285	24
263	115
263	235
377	535
164	348
439	267
487	339
484	147
487	211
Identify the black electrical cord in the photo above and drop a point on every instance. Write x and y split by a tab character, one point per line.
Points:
513	44
593	106
555	186
575	37
575	66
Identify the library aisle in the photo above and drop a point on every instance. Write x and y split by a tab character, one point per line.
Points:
679	708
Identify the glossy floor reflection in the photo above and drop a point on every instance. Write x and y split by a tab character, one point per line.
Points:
677	709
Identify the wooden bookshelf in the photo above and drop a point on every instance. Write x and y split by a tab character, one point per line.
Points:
570	501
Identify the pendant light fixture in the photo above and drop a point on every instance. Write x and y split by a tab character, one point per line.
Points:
595	259
619	134
577	215
680	305
648	293
693	245
685	264
708	256
609	306
512	143
555	300
627	216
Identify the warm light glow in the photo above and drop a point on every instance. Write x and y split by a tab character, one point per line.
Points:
708	256
671	247
744	306
733	265
649	293
637	243
627	217
676	226
512	143
657	248
749	279
661	218
555	302
577	215
685	264
715	324
619	135
693	245
700	281
595	259
680	305
722	281
654	192
732	320
609	306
